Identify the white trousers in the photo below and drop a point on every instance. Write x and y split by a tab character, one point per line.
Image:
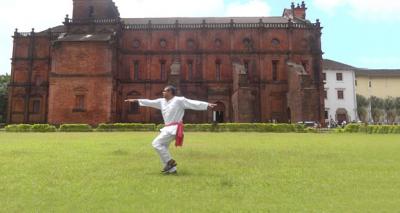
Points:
161	144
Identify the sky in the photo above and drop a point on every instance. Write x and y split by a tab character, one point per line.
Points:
361	33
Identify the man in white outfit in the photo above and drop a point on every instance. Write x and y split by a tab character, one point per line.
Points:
173	110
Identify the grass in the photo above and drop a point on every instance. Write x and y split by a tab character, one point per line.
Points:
218	172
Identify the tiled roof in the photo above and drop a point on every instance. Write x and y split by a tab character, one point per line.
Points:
378	72
199	20
334	65
86	37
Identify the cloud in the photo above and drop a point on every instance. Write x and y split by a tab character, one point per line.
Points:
363	9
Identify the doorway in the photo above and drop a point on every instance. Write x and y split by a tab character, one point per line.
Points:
218	113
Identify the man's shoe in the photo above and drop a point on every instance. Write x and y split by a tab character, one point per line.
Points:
172	173
171	164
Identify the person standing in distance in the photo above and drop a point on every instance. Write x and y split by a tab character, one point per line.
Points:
172	109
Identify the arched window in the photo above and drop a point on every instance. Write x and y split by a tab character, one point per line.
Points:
91	11
163	74
190	70
218	70
136	70
80	99
219	112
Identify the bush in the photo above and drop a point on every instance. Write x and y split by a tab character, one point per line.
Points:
125	127
18	128
242	127
75	128
43	128
352	128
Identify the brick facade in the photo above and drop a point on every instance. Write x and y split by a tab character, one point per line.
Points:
82	71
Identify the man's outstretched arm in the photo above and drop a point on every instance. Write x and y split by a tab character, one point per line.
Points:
146	102
197	105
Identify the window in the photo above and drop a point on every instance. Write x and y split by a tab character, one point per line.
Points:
246	67
340	94
326	114
326	94
133	108
218	70
190	70
136	70
36	107
162	70
324	76
339	76
79	103
91	11
305	65
355	82
370	84
275	70
247	42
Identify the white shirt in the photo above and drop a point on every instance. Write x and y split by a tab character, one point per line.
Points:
173	110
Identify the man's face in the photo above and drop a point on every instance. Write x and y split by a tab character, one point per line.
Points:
167	93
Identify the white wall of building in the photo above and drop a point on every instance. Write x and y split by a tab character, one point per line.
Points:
347	85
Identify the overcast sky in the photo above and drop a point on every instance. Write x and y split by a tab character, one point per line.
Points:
362	33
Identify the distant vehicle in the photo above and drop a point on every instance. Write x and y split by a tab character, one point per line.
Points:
309	123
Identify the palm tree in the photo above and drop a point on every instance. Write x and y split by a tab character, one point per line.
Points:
362	105
390	109
377	106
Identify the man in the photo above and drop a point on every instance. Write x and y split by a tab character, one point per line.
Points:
173	110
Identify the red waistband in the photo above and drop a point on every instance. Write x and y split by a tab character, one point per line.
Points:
174	123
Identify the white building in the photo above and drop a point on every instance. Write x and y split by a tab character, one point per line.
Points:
340	95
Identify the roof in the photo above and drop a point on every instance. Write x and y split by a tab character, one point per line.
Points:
334	65
377	72
199	20
85	37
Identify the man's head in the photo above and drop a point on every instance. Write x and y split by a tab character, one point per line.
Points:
169	92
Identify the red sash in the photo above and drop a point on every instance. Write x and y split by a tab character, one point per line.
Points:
179	133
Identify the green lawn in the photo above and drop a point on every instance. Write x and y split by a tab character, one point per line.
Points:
218	172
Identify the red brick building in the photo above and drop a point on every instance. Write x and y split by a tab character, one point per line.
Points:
256	69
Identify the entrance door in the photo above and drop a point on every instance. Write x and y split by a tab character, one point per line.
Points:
218	113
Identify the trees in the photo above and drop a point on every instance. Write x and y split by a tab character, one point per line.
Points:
390	109
377	108
4	80
362	106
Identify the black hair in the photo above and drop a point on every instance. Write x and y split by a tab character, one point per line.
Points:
171	88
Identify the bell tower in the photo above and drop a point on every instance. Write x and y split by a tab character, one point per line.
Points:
95	9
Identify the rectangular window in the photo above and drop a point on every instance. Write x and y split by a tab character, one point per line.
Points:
326	94
324	76
339	76
190	70
340	94
163	75
326	115
305	65
36	107
136	70
79	103
355	82
275	70
246	67
370	84
218	70
133	108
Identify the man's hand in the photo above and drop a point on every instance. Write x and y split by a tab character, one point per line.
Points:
212	106
131	100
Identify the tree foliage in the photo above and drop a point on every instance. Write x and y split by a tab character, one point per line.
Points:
4	80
